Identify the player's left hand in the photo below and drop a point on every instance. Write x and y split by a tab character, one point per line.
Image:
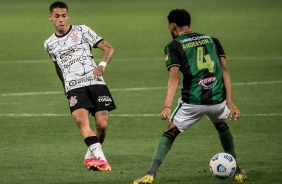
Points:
99	71
234	111
165	114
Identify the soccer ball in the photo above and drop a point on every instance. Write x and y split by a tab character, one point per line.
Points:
223	165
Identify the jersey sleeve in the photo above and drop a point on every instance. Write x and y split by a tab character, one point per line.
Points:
91	37
52	56
171	55
219	48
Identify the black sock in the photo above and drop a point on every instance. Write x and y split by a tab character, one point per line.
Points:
91	140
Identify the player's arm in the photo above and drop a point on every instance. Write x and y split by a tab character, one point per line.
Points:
172	86
60	75
108	54
227	83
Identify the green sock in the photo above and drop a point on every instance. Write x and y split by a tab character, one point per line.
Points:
227	143
162	149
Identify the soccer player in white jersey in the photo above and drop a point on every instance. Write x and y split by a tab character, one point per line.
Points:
70	48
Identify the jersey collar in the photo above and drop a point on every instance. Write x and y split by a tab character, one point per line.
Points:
65	33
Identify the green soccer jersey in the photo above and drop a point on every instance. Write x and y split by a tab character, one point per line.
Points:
198	58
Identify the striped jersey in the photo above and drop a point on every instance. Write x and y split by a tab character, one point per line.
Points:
198	58
73	54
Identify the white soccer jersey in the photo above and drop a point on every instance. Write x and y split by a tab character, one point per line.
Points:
73	54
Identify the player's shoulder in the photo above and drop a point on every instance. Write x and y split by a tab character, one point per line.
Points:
195	36
48	40
81	27
203	35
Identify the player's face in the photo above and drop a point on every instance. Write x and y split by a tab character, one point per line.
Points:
60	17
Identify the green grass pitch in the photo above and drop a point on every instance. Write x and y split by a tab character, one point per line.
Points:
40	142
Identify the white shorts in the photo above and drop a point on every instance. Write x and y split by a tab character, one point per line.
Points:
186	115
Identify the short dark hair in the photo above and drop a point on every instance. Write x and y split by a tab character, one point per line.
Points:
180	17
58	4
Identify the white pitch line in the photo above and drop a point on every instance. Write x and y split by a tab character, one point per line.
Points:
139	89
135	89
256	83
34	115
31	93
116	115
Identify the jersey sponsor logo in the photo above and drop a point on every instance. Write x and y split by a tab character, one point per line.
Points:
81	80
70	61
67	53
195	38
73	101
72	83
105	99
208	83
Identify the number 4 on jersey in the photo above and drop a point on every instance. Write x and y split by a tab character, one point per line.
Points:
204	61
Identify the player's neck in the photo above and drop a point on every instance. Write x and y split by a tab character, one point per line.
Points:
62	32
182	30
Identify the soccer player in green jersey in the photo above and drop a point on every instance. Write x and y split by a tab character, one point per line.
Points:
206	89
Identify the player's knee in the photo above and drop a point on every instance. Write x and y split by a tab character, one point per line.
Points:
173	132
101	118
102	126
221	127
80	121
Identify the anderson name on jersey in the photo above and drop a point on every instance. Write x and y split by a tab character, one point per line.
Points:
73	54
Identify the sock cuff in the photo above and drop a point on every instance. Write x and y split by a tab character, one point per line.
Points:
171	137
91	140
222	129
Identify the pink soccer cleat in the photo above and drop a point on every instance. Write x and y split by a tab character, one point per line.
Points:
91	164
102	165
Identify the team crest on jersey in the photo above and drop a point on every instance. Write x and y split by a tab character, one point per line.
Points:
74	37
208	82
73	101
